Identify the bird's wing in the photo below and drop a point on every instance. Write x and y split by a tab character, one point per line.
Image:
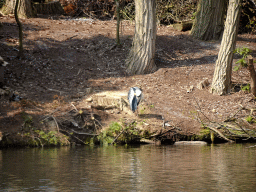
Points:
130	96
134	104
139	99
138	94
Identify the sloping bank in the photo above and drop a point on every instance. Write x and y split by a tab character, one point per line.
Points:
105	119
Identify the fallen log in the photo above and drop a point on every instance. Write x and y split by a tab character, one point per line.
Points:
190	143
231	131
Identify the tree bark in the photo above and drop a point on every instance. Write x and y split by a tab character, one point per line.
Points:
209	20
117	22
20	54
25	9
252	75
142	54
221	83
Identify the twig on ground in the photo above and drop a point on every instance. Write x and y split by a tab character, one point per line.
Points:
73	36
56	123
82	133
55	90
78	72
48	116
98	122
74	106
74	136
201	110
228	119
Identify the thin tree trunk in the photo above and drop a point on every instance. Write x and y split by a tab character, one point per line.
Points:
209	20
117	22
221	83
142	54
252	75
20	54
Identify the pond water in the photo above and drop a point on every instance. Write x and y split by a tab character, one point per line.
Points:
224	167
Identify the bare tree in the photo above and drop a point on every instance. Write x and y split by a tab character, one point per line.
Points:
142	54
221	82
209	20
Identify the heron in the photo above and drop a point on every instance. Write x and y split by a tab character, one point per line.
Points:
134	97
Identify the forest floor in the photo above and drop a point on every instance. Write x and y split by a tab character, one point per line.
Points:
68	60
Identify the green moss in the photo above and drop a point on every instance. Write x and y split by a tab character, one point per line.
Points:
204	135
249	119
237	132
205	131
119	134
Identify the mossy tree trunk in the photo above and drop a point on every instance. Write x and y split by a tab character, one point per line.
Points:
221	82
142	54
25	9
209	20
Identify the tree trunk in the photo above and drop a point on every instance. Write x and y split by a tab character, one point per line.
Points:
20	54
117	22
142	54
25	9
209	20
252	75
221	83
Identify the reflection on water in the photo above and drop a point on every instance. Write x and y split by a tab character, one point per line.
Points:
146	168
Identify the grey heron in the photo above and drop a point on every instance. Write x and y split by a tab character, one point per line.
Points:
134	97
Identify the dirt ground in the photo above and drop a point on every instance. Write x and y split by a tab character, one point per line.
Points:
69	59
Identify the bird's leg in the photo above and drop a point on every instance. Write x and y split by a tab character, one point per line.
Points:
137	113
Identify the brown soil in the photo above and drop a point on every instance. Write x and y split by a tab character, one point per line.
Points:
65	57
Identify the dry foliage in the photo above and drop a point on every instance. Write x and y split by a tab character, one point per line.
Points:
168	11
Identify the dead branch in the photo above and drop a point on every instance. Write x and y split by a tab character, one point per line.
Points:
56	123
56	90
74	106
244	130
161	134
48	116
117	136
39	141
201	110
74	136
98	122
228	119
220	134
